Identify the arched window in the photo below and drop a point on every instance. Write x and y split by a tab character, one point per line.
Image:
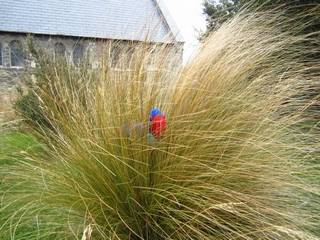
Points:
115	55
151	58
16	54
59	50
0	54
129	55
78	53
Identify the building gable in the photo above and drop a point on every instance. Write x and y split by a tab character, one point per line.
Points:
140	20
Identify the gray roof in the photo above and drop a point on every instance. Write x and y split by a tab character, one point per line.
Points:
110	19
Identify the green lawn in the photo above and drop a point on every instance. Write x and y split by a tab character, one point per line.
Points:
12	144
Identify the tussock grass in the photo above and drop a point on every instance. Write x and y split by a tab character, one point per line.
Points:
236	161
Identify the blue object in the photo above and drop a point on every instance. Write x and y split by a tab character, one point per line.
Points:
154	112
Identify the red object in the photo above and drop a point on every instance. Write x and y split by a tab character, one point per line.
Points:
158	125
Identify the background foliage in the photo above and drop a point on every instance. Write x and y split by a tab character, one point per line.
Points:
218	12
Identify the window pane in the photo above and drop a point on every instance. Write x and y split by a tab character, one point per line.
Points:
59	50
115	55
78	53
129	56
16	53
0	54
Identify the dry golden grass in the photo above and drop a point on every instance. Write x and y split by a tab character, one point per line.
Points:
234	163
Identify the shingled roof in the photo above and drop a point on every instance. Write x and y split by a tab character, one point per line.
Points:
138	20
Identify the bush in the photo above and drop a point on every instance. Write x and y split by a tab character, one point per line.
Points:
29	107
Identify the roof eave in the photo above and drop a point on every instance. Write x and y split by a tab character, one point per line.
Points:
37	33
170	22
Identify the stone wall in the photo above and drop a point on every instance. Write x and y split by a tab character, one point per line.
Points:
9	80
10	76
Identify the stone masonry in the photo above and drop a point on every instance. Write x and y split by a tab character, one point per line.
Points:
10	76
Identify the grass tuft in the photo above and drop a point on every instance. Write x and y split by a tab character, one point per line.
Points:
239	158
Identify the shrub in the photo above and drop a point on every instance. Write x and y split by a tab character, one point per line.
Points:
28	105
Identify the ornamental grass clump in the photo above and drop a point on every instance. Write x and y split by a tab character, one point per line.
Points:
238	157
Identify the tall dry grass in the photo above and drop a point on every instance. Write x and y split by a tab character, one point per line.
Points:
236	161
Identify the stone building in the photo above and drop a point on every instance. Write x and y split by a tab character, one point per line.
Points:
75	28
